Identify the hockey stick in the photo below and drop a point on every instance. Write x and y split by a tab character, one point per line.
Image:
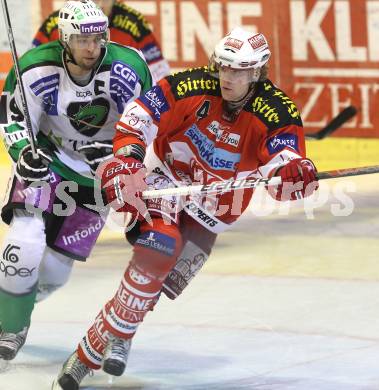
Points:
229	185
334	124
19	79
348	172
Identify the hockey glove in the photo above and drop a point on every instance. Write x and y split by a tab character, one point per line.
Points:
298	180
96	153
32	170
122	179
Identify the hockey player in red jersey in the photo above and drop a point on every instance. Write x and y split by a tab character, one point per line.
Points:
126	26
224	121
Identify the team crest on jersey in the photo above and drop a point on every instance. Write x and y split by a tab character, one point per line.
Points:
223	135
123	82
88	117
47	88
279	142
216	158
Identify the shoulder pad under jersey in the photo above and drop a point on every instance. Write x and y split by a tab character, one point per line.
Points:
193	82
126	63
273	107
43	55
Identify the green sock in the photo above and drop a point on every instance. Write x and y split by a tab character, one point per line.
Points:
15	311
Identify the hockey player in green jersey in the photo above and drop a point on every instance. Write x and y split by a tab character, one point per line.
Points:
127	26
76	89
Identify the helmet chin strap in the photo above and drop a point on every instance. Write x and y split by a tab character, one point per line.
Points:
231	109
69	58
68	55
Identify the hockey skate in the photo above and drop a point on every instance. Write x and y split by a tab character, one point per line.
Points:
10	343
72	373
116	355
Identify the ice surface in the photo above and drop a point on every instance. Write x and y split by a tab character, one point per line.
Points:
284	303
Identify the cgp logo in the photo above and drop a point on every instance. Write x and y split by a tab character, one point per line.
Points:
124	72
123	84
10	255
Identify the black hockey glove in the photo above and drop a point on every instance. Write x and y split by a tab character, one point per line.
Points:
96	152
30	169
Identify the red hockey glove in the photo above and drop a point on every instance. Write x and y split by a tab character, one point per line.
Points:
298	180
122	179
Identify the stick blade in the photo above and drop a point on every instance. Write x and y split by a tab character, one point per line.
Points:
344	116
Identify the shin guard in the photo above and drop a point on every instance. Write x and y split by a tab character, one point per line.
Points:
155	253
91	347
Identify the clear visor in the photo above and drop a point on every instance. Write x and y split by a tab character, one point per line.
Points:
88	41
232	75
236	76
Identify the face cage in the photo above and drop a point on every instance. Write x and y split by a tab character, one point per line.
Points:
232	75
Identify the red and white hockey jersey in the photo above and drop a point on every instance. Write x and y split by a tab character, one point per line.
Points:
182	120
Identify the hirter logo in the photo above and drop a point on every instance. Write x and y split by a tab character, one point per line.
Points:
257	41
236	43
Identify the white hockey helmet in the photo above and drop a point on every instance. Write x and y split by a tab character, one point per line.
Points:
241	49
81	17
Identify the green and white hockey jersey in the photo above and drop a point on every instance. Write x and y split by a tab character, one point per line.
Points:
65	115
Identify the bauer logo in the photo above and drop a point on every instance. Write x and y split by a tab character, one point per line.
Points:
281	141
93	28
